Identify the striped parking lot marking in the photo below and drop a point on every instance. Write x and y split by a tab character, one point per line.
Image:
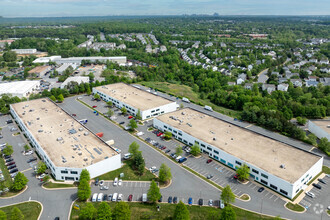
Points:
267	194
234	191
276	198
216	179
254	186
271	196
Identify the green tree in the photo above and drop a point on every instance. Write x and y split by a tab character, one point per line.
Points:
121	211
181	106
91	77
228	213
16	214
213	215
133	149
138	115
109	103
243	172
96	96
60	98
41	167
88	91
123	110
301	121
324	144
20	182
195	150
132	124
88	212
164	173
46	178
84	190
181	212
26	147
8	150
168	135
312	138
110	112
104	212
9	56
3	215
139	162
153	192
52	97
227	195
84	175
178	151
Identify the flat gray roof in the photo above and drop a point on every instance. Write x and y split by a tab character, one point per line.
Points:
133	96
255	149
61	136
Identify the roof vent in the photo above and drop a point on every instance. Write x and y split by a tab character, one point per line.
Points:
232	139
214	138
282	166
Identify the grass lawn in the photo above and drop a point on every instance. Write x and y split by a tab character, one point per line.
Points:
52	185
8	182
244	197
129	174
326	170
186	91
147	211
295	207
30	210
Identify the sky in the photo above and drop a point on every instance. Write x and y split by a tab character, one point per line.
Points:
61	8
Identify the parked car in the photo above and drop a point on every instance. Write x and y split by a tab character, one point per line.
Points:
32	159
130	117
9	160
167	151
74	115
122	122
221	204
209	176
13	129
7	157
235	176
13	170
175	199
160	199
317	186
170	199
130	198
96	182
104	187
115	182
10	163
310	194
209	161
261	189
94	106
9	121
190	201
200	202
109	197
155	171
11	167
210	202
100	197
94	197
321	181
101	183
152	168
120	182
105	197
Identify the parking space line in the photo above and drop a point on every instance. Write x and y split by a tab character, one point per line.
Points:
254	186
271	196
216	179
267	194
26	170
276	198
234	191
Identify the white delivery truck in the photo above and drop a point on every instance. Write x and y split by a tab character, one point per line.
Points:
100	197
185	100
208	108
94	197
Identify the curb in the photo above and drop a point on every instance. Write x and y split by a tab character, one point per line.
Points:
71	207
164	187
42	186
294	211
25	188
248	200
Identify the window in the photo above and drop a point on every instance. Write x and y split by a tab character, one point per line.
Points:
180	134
185	141
64	171
274	187
175	131
162	112
196	142
255	171
231	165
239	163
209	148
165	126
180	139
217	152
222	161
284	192
190	144
215	157
303	180
74	172
170	129
264	175
297	190
152	111
157	110
263	181
202	145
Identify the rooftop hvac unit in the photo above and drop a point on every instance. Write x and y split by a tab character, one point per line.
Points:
282	166
86	133
59	139
214	138
79	153
85	158
81	129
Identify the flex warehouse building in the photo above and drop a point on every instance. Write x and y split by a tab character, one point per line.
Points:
278	166
65	145
134	99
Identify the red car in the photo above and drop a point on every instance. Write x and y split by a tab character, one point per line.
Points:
236	176
74	115
159	134
130	198
163	148
94	106
209	161
130	117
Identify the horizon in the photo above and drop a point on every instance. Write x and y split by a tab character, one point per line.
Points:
99	8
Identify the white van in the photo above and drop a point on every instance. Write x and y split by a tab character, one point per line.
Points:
127	156
114	197
94	197
144	197
208	108
185	100
100	197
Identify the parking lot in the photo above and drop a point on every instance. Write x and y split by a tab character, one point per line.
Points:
321	201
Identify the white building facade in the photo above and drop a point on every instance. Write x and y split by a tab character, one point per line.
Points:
145	114
275	183
68	173
21	89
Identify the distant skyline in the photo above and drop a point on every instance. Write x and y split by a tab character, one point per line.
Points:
61	8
